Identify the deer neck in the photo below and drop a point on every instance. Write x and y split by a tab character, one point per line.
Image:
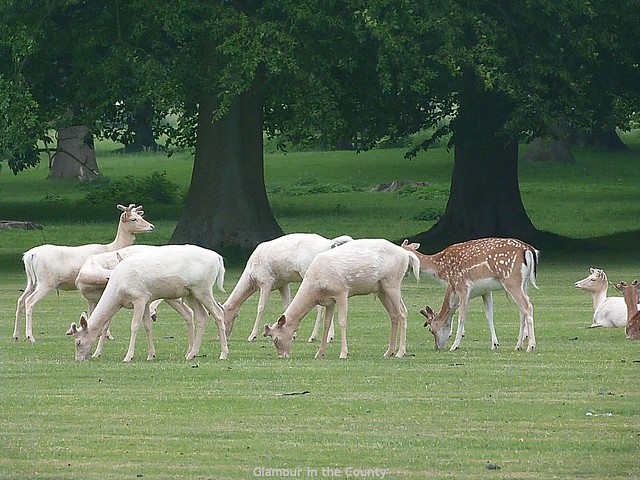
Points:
430	264
297	309
124	238
632	304
450	304
599	297
101	315
242	291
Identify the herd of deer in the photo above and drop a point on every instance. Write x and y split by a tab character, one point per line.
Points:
117	275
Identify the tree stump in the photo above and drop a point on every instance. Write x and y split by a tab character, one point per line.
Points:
75	155
544	150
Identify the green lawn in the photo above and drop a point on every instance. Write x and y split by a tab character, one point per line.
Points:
570	409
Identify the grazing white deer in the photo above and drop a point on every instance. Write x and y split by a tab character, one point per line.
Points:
51	267
93	277
630	292
169	271
274	265
476	268
607	311
359	267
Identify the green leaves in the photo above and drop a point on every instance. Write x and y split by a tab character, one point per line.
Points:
20	124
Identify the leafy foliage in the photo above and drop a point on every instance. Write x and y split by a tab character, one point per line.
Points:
331	72
309	186
153	189
547	59
20	124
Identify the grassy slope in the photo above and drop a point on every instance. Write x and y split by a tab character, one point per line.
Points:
568	410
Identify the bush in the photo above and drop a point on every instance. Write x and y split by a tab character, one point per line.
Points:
155	188
308	186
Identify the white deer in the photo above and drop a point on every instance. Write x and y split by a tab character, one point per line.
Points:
93	277
476	268
274	265
607	311
51	267
359	267
169	271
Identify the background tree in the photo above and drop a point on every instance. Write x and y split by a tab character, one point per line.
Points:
503	71
357	71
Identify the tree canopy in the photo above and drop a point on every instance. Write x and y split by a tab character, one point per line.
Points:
489	73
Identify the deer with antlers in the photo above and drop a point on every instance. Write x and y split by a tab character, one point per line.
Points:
477	268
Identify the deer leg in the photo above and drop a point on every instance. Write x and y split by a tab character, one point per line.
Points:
328	320
200	317
265	291
30	302
526	320
392	302
217	312
462	314
342	303
20	308
316	328
487	299
146	323
136	320
187	314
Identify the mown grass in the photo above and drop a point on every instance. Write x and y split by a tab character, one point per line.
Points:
567	410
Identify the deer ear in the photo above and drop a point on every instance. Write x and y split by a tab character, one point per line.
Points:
267	331
415	246
83	320
122	208
73	329
282	320
405	242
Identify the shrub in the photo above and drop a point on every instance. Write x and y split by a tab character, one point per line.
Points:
429	215
308	186
155	188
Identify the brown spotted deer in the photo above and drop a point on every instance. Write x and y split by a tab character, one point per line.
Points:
477	268
630	293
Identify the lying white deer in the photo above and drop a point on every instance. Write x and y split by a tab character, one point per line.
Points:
51	267
274	265
476	268
607	311
92	280
359	267
169	272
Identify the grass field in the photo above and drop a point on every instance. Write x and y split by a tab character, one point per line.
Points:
570	409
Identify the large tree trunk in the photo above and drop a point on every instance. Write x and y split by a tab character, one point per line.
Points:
75	155
227	207
485	196
603	138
